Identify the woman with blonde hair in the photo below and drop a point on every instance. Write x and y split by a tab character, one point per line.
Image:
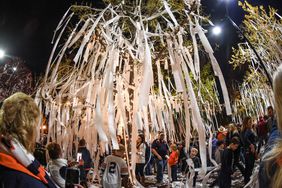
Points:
270	173
19	117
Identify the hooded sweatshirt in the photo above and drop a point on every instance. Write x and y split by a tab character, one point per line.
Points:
55	167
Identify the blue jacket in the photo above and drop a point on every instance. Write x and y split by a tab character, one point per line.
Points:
15	179
86	157
15	175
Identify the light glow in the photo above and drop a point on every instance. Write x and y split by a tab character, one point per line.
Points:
216	30
2	53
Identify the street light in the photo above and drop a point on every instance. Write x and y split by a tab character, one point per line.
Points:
248	41
2	53
216	30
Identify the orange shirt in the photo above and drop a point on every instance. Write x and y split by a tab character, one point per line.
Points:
173	158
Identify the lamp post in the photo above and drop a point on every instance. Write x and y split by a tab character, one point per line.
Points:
248	41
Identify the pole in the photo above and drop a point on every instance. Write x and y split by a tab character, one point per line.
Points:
269	79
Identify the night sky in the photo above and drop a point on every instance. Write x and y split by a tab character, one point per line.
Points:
26	28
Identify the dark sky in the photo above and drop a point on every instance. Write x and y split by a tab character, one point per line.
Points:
26	27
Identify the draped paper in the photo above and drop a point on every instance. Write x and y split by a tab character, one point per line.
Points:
101	82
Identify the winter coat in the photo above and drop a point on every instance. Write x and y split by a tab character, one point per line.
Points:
15	175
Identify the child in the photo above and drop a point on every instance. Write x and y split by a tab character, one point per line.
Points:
196	161
227	161
173	160
115	169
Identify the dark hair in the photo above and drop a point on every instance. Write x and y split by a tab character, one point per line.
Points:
245	123
54	150
142	138
82	142
235	140
269	108
219	142
121	148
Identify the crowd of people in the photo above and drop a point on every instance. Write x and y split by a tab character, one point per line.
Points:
235	146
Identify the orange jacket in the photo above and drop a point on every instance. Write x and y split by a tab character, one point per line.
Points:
10	162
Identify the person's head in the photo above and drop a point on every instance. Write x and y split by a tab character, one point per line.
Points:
232	127
220	144
161	136
180	145
54	150
173	147
19	117
82	143
261	118
119	139
140	138
247	123
119	152
270	112
194	152
234	144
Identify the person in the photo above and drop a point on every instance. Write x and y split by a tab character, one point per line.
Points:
227	164
271	121
86	157
219	151
160	150
214	145
40	153
57	165
221	133
140	159
270	171
182	157
262	132
249	148
19	117
120	140
197	162
173	161
115	170
234	133
218	155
